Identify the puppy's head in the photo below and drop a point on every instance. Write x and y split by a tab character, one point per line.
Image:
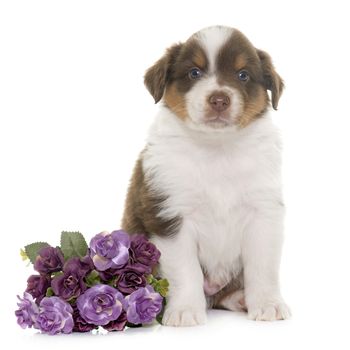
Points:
215	80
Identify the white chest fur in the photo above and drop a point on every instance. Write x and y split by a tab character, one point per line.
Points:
215	183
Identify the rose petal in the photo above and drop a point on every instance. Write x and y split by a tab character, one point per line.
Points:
122	258
101	263
121	237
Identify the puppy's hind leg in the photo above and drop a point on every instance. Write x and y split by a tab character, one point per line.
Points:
234	301
231	297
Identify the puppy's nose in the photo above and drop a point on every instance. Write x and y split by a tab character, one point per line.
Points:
219	102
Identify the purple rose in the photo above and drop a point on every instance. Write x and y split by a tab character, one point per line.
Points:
27	312
80	325
100	304
118	324
130	279
143	252
109	274
37	286
55	316
110	250
49	260
68	286
143	305
71	283
81	266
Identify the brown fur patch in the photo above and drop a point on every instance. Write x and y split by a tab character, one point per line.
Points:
142	206
179	83
237	54
169	76
253	109
199	59
175	101
240	62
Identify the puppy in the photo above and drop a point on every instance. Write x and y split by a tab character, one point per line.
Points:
206	189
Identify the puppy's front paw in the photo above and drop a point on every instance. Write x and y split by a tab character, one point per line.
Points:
178	317
270	311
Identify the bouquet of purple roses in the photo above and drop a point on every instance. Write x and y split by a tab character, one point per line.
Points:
78	288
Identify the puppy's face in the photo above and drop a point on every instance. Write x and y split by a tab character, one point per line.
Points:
216	80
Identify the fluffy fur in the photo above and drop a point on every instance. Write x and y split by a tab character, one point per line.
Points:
207	187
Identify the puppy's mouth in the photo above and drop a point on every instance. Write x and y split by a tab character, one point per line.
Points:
218	121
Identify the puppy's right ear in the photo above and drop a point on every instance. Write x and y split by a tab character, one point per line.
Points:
157	76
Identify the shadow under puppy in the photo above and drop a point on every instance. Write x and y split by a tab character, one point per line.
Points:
206	188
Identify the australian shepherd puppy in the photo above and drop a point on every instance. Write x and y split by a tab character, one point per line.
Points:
206	188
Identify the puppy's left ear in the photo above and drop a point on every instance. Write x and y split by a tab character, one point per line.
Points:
272	80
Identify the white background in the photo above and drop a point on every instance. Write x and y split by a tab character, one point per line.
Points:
74	115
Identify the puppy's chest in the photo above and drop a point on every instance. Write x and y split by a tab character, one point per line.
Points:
202	182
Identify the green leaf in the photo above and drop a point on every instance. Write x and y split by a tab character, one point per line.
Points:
92	278
58	273
163	283
94	274
72	300
162	287
112	282
49	292
159	317
32	250
23	254
73	244
150	279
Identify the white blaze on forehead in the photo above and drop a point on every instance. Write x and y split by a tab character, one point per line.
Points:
211	40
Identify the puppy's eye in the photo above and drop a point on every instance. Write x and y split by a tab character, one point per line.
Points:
195	73
243	75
